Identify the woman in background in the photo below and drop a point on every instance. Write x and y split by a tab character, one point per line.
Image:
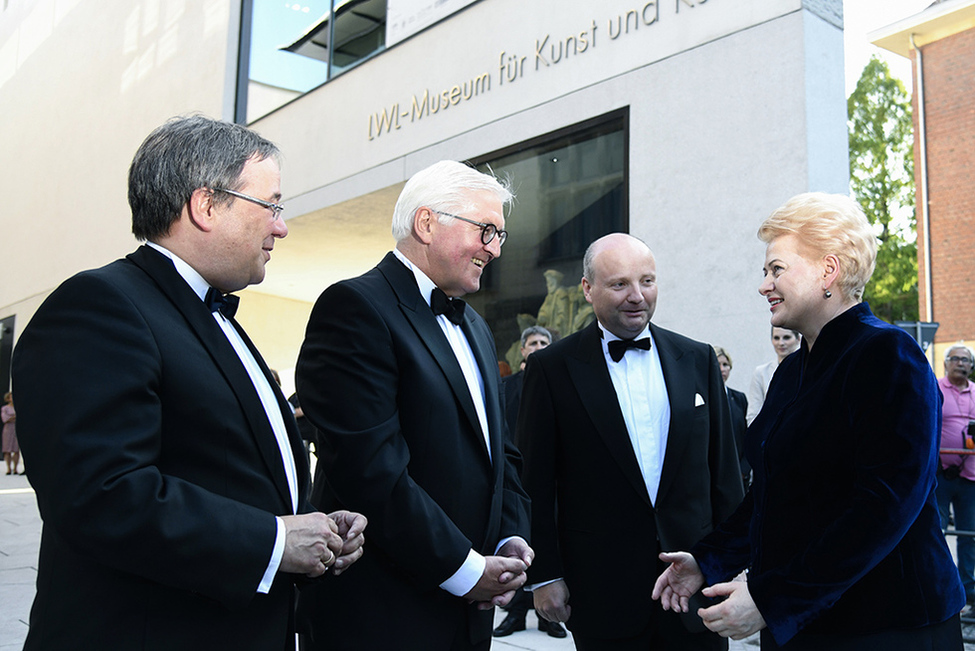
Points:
11	449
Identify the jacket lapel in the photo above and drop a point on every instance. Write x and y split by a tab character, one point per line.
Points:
587	370
201	321
680	391
424	323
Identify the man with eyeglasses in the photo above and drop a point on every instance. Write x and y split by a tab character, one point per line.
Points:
168	468
401	379
956	479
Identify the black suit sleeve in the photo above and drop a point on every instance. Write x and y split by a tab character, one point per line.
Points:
88	374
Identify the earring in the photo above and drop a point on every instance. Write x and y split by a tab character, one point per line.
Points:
827	294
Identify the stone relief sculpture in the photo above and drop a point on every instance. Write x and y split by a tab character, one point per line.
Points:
564	311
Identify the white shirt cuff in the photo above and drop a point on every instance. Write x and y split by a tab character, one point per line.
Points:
505	542
464	579
276	556
535	586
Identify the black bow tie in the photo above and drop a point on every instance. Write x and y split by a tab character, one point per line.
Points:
226	304
452	308
618	347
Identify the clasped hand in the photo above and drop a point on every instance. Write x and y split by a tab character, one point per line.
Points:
315	542
503	575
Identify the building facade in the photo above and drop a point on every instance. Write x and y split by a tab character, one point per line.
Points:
940	42
683	122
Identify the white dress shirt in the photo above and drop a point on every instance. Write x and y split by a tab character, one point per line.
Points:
268	399
642	394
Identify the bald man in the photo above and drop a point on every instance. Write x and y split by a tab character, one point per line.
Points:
629	451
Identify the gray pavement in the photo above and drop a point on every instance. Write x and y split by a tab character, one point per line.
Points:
20	535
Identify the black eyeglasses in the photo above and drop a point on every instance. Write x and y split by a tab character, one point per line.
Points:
959	360
275	208
488	231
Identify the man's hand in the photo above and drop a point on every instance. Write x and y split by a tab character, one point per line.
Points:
311	545
497	585
737	616
518	548
552	601
350	527
678	582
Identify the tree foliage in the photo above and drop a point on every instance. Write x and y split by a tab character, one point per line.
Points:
882	180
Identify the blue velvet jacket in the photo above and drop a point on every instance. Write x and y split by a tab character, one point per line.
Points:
840	530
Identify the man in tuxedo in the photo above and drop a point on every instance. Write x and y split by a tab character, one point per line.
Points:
170	476
628	451
401	379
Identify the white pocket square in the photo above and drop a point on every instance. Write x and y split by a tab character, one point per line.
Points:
698	400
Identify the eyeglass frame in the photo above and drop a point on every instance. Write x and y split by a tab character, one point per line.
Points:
275	208
501	234
956	359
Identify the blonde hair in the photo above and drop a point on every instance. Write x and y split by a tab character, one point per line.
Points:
828	224
721	352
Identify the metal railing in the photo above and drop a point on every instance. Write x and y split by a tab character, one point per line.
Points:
968	618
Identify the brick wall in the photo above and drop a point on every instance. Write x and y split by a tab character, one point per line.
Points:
949	94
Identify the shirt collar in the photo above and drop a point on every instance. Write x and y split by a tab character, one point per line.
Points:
422	280
192	277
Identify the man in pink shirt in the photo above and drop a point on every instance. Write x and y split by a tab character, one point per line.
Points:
956	481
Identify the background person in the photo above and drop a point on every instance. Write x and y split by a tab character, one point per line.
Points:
956	479
11	448
628	450
785	342
401	379
170	477
840	529
739	407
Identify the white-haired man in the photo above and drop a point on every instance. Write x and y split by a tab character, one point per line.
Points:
401	379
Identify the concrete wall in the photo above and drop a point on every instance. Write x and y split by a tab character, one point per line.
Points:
734	107
82	83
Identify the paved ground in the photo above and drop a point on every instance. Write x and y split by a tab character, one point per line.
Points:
20	532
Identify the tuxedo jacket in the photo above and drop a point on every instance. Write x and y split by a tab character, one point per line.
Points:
401	443
156	471
593	522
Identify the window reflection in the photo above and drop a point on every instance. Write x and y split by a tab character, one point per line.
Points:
297	46
571	190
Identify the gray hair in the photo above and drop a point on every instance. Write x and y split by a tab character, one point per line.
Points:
959	346
534	330
444	186
182	155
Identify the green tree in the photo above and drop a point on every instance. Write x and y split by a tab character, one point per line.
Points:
882	180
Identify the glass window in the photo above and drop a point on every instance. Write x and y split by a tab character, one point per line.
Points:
571	188
294	47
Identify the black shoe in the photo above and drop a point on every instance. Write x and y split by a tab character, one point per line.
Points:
509	625
554	629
